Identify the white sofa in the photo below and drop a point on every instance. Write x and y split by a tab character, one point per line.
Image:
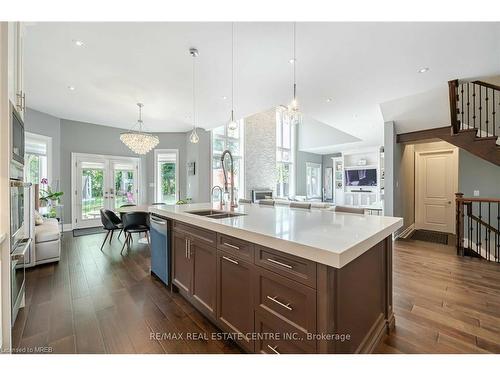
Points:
47	242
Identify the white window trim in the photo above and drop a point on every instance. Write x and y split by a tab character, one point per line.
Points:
48	141
240	157
155	170
314	165
292	161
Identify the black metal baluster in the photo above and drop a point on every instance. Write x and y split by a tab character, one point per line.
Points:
478	231
468	106
480	113
471	227
494	112
474	105
488	230
462	102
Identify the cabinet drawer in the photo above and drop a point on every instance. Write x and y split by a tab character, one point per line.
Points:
291	266
275	336
287	299
197	235
234	246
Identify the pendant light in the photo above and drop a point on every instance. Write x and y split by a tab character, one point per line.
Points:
233	125
293	112
193	137
138	140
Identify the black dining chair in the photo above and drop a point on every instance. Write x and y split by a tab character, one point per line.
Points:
110	222
135	222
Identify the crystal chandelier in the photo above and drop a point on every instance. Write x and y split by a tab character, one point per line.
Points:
292	112
193	137
137	140
233	125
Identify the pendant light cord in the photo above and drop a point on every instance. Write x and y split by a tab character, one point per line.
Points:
294	60
232	71
194	94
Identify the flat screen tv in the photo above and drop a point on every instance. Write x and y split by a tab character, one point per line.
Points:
361	177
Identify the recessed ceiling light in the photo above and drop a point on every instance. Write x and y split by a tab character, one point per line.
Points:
78	43
355	116
423	70
329	100
291	61
71	88
224	98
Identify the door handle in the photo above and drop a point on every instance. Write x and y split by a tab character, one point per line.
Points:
230	260
274	349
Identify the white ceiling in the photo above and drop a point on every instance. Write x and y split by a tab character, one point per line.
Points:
359	65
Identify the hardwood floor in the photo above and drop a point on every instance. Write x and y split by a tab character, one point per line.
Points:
101	302
443	303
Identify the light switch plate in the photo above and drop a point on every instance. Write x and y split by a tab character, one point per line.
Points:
476	193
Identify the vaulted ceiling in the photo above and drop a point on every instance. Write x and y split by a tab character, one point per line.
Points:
356	65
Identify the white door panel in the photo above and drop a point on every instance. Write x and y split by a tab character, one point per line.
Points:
436	180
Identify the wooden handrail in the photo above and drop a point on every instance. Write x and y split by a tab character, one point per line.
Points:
482	222
486	84
491	200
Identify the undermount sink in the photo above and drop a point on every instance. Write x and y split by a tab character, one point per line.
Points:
215	214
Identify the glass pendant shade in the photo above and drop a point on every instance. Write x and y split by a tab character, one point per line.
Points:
232	125
139	141
193	137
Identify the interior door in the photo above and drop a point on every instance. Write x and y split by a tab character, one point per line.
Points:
91	191
436	180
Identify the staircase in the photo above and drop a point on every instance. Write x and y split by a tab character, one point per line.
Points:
478	227
475	119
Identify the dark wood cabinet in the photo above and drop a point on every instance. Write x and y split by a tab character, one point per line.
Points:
194	268
274	302
204	263
181	265
235	297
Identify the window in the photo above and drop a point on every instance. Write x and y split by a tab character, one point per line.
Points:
313	180
166	176
285	145
37	155
232	140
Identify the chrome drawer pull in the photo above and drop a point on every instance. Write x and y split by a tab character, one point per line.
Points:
279	263
273	348
274	299
232	246
230	260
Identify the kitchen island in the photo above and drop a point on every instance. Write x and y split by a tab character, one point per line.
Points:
285	280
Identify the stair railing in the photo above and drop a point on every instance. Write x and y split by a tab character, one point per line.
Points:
478	227
474	105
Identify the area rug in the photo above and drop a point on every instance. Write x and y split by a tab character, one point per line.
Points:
430	236
88	231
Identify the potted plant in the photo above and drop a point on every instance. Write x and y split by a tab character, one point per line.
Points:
48	197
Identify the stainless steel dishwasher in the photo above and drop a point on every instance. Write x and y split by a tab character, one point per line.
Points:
160	248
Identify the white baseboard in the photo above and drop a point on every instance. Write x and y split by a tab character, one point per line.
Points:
67	227
407	232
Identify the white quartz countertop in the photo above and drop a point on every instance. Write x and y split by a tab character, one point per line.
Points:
327	237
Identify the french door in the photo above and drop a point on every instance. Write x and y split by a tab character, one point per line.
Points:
102	182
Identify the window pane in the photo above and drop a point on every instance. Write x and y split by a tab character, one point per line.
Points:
218	131
286	134
279	125
218	145
285	156
234	147
92	192
167	182
33	168
124	188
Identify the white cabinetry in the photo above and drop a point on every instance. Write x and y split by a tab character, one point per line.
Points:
15	66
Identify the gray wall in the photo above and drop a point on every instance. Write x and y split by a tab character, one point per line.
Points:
49	126
300	170
260	151
477	174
